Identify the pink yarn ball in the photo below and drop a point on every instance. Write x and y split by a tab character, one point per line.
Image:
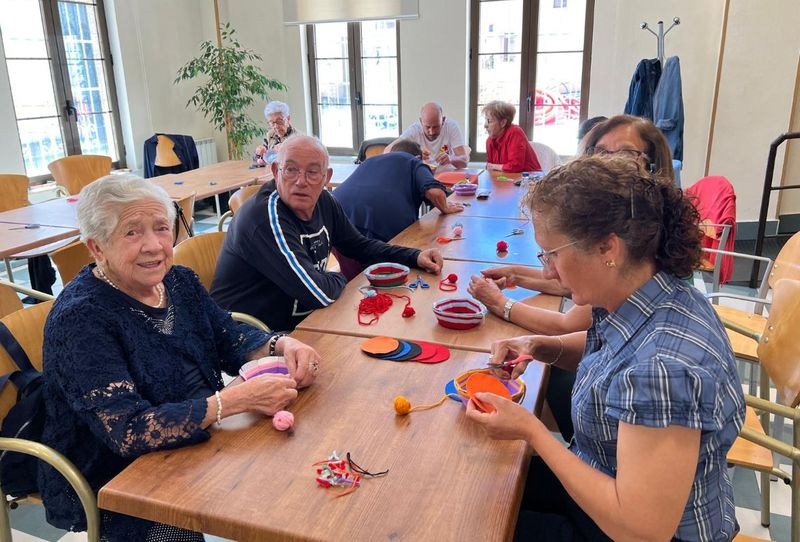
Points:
283	420
457	231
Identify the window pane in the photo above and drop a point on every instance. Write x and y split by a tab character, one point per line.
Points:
378	38
500	27
32	88
79	28
558	100
499	78
379	76
561	28
41	144
336	126
333	82
89	90
381	121
23	30
330	40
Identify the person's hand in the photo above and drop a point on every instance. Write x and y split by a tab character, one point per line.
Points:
302	360
502	276
494	167
426	154
442	158
508	349
509	421
487	292
430	260
452	208
266	394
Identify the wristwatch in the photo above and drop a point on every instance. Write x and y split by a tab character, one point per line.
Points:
507	309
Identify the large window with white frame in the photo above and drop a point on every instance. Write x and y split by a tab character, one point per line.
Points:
61	80
355	82
535	54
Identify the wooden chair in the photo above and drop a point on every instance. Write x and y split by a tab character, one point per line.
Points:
372	147
9	298
74	172
187	206
200	253
13	192
237	199
71	259
27	326
779	355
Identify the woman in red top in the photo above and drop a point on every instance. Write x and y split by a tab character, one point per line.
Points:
507	147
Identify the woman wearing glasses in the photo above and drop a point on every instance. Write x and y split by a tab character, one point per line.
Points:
657	401
507	147
280	125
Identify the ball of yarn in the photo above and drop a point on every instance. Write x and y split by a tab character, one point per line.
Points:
408	312
502	246
452	277
457	231
283	420
402	405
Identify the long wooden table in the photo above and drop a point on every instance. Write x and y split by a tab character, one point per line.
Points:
213	179
480	237
60	212
447	480
16	238
341	316
504	201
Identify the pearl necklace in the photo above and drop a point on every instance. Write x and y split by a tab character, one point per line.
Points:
159	286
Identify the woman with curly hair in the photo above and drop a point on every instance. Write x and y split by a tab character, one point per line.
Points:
657	401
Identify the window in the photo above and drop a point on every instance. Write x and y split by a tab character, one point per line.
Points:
535	53
354	82
61	80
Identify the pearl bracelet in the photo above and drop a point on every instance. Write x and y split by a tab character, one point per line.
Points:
219	407
273	342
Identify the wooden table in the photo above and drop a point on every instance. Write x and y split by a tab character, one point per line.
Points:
16	238
504	201
447	480
212	180
341	316
480	238
341	171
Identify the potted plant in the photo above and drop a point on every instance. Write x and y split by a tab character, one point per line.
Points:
232	83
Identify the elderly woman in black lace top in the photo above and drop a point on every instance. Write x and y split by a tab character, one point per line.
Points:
133	355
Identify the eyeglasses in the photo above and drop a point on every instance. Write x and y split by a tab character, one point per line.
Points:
629	153
278	122
313	176
546	255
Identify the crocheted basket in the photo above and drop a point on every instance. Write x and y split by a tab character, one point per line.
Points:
465	189
459	312
387	275
515	387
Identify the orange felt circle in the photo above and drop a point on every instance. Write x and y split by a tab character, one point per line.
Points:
452	177
482	382
379	345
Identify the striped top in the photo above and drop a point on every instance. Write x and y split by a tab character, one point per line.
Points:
663	359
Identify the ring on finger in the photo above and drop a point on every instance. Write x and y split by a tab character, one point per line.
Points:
315	366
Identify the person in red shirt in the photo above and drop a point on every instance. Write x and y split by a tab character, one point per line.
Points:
507	147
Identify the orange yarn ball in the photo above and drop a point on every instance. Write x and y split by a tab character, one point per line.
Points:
402	405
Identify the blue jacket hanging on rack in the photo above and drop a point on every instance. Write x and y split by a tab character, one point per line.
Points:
643	88
184	148
668	106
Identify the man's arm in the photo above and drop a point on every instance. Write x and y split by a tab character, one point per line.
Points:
439	200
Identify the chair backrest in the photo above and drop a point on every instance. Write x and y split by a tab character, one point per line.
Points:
9	301
548	157
13	192
187	206
240	196
372	147
779	349
71	259
75	172
200	253
27	326
787	263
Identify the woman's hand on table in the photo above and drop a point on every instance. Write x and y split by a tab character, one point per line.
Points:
487	292
503	276
302	360
265	394
509	421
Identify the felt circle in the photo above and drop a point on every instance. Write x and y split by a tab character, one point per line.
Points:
392	353
451	391
427	351
442	354
482	382
414	351
379	345
405	349
452	177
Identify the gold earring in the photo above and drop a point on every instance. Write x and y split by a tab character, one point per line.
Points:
611	263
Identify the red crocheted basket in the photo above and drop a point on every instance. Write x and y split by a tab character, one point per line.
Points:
459	312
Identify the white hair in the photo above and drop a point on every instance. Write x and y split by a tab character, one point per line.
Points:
101	202
300	139
276	107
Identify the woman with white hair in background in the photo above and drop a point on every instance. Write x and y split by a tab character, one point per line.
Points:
134	351
280	125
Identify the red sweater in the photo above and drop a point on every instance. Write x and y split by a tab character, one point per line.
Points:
513	151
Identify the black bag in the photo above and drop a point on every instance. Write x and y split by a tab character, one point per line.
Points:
18	472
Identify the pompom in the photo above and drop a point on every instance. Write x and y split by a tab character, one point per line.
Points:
402	405
457	231
408	312
502	246
283	420
452	277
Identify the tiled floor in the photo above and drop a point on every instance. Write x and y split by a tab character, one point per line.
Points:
29	525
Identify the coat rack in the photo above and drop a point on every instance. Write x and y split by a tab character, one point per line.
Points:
660	35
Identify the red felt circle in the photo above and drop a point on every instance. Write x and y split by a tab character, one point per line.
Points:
442	354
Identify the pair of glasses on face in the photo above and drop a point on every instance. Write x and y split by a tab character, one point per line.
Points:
629	153
279	122
545	256
313	176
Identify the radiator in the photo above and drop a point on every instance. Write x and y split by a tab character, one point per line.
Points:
206	151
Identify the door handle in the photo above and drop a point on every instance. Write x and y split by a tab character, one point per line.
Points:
70	109
528	101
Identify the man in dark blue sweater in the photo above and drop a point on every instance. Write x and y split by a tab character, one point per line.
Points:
273	261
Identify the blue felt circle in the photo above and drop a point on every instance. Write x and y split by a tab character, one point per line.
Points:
406	349
450	391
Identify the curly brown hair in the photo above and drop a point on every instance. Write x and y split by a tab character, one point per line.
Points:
595	196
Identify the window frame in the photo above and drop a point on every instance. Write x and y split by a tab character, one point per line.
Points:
356	85
62	88
529	57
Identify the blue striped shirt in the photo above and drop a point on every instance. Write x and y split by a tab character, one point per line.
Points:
663	359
